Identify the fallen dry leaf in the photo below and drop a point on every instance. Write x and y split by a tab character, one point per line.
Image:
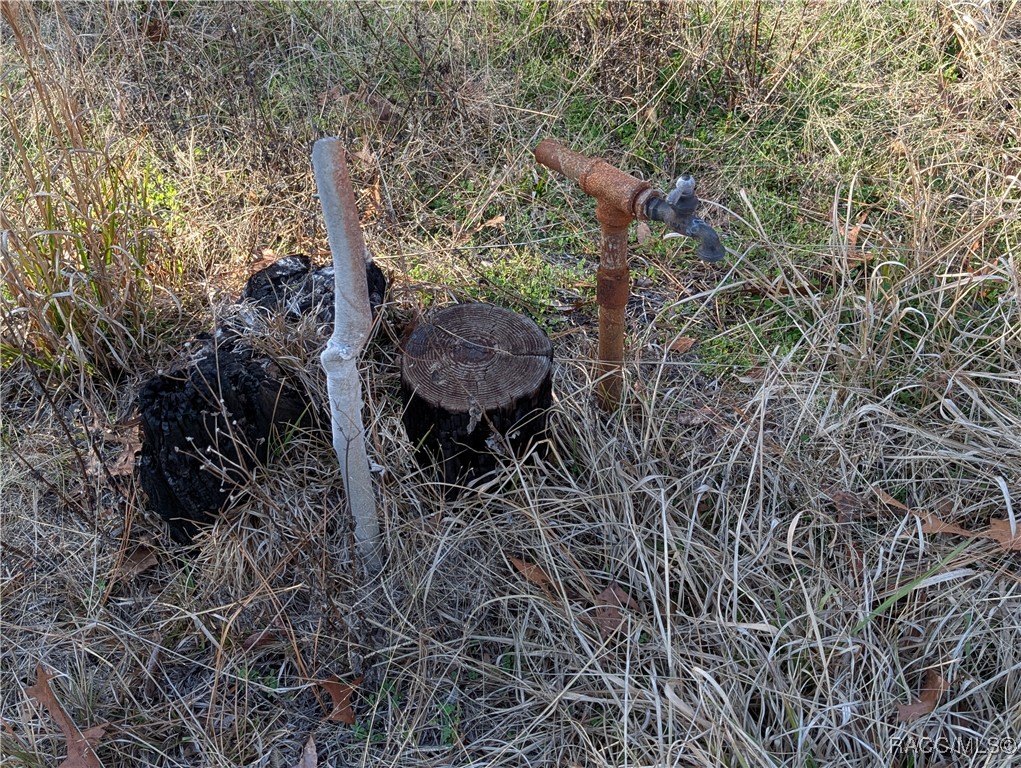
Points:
364	155
333	93
754	374
130	436
849	507
81	747
494	223
932	524
682	344
932	689
704	415
378	107
848	504
155	29
382	108
152	665
777	287
643	232
969	255
888	499
854	254
309	756
533	573
261	639
139	559
862	257
854	554
340	694
998	530
608	605
852	235
372	201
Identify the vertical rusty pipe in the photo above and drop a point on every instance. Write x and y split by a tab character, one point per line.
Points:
620	199
613	287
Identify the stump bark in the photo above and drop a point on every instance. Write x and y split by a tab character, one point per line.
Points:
476	381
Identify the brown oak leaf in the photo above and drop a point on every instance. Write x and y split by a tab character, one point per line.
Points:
932	689
130	436
608	605
81	747
888	499
704	415
848	504
340	695
261	639
682	344
139	559
309	756
932	524
532	573
1000	531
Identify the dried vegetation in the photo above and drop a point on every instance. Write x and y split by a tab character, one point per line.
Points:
758	561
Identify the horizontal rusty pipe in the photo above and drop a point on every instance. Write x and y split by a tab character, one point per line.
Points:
615	190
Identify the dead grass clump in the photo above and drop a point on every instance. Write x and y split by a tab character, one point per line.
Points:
79	229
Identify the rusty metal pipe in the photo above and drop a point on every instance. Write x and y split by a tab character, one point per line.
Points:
617	190
620	199
613	287
617	204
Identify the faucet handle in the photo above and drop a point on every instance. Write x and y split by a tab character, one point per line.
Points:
682	196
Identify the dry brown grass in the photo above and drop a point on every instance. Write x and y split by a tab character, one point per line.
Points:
863	339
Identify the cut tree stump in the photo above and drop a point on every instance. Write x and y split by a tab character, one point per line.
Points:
476	381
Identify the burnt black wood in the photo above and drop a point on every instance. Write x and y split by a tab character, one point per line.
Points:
210	421
206	426
475	378
290	285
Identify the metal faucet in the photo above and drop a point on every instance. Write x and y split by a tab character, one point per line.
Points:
678	213
620	199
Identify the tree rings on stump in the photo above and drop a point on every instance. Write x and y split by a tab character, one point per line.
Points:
476	379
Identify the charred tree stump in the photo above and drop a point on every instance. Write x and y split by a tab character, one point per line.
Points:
211	420
206	427
476	379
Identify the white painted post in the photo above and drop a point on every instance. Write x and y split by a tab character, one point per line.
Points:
352	322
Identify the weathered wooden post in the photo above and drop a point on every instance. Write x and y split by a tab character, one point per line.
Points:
352	323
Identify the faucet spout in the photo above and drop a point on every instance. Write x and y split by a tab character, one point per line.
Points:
677	211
